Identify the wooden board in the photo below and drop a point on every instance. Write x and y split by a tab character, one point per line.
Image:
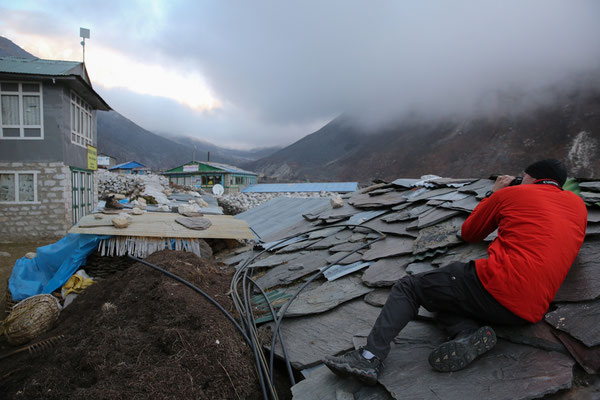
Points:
164	225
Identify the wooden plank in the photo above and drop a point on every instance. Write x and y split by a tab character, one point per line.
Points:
164	225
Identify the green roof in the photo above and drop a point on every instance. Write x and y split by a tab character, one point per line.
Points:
71	73
37	66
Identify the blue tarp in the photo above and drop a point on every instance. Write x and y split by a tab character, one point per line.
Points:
53	265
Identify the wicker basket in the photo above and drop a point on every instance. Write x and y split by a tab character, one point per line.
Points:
9	304
30	318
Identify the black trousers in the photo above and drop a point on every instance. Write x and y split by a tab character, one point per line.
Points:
453	291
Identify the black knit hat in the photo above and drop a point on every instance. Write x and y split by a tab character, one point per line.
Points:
548	169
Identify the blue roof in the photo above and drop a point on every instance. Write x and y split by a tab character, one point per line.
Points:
302	187
128	165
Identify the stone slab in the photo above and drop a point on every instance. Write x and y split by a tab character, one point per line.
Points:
590	197
323	384
391	246
462	253
327	296
587	357
377	297
386	272
508	372
419	267
309	339
346	246
436	216
478	188
334	240
408	213
537	335
350	258
583	280
590	186
396	228
443	234
306	263
593	215
428	194
383	200
467	204
451	196
592	228
580	320
297	246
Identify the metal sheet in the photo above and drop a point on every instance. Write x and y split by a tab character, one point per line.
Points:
340	187
280	213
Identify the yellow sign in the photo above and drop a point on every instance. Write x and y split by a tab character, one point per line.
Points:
92	157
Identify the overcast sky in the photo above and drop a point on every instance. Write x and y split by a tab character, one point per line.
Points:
246	74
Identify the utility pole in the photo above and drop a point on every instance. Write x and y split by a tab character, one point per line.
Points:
84	33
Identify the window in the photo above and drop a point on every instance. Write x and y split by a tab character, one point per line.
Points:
82	186
21	113
18	186
82	128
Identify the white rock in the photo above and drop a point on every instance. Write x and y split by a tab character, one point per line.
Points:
189	209
4	254
164	208
336	201
201	203
136	211
31	255
120	223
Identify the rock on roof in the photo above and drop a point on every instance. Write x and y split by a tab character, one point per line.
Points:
421	220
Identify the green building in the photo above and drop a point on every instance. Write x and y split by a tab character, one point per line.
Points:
206	174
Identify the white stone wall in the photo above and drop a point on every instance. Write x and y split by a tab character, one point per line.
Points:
49	217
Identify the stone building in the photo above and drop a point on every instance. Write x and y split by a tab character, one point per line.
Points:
47	147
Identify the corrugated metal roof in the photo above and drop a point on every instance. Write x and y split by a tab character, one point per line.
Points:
36	66
128	165
280	213
341	187
224	167
228	168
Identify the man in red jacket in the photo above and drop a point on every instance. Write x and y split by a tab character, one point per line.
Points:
540	230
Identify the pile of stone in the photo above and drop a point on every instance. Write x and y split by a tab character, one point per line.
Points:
133	186
237	203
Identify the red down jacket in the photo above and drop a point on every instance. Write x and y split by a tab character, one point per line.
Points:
540	230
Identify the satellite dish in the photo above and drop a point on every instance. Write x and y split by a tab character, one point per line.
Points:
218	190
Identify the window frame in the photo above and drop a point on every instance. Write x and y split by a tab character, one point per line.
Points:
82	193
79	123
22	125
35	186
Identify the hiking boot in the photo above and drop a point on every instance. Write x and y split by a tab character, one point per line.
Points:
460	352
353	364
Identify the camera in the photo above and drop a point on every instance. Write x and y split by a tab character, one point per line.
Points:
516	181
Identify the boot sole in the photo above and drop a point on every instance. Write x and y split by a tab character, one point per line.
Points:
345	370
454	355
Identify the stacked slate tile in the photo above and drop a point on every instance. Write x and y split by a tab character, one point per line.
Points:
406	227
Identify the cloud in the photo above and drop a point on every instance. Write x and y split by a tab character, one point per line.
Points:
278	69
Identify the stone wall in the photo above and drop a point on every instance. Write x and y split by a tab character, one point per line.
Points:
49	217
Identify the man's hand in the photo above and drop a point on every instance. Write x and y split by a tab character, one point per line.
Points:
502	181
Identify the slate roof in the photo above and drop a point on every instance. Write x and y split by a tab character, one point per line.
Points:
340	187
421	220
